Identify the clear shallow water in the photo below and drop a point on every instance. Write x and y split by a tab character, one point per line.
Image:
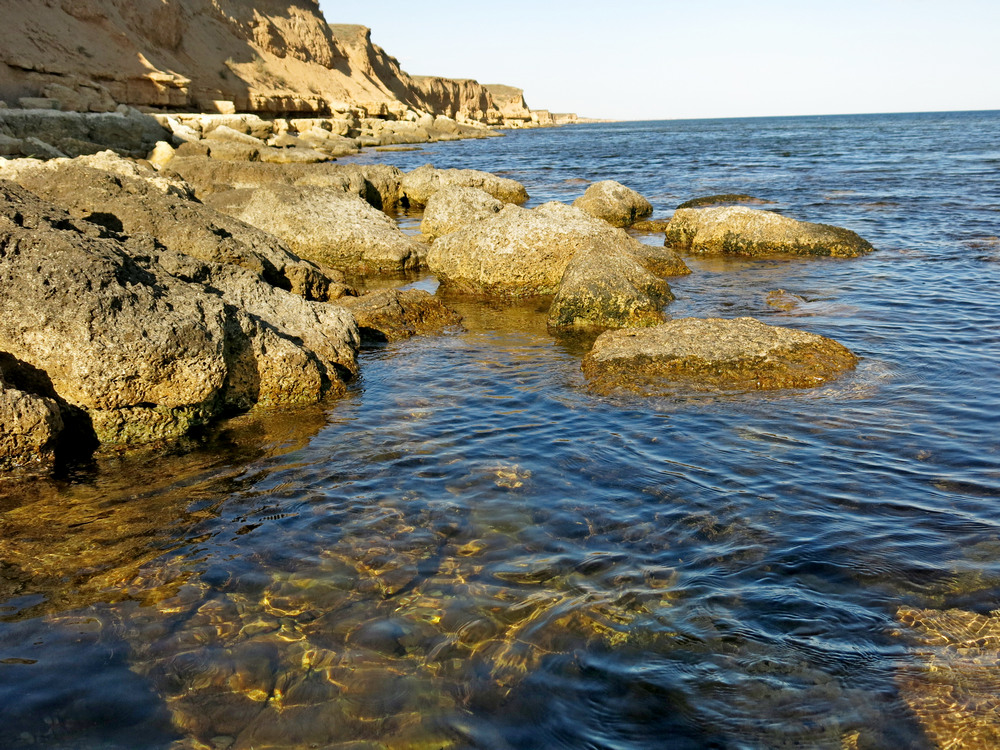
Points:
472	550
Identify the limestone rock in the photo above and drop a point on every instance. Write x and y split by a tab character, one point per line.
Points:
161	154
231	135
737	230
605	287
119	195
149	349
616	204
379	184
454	207
29	427
324	225
392	314
76	133
521	252
739	354
421	183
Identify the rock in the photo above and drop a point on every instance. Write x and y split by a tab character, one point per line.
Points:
123	197
125	130
521	252
379	184
324	225
38	102
616	204
393	314
605	287
420	184
231	151
29	427
149	350
737	230
780	299
951	689
455	206
161	154
726	199
651	226
292	155
230	135
740	354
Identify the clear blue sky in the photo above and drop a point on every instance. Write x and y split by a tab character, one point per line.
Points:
678	59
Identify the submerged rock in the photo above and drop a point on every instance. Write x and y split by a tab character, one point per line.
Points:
394	314
953	694
119	195
419	185
148	349
737	230
724	199
324	225
521	252
741	353
456	206
614	203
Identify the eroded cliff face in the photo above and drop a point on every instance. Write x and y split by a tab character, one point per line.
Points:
265	56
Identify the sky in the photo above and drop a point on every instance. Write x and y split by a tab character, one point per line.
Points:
645	60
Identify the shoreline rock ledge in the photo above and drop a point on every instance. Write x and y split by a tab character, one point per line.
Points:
737	354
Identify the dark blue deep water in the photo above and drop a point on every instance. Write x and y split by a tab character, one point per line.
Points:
474	551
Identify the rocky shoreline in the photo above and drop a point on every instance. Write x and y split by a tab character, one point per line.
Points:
141	299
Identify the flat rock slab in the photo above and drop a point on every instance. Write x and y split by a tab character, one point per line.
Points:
738	230
738	354
396	314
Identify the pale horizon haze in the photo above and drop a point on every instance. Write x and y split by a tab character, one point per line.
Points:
670	60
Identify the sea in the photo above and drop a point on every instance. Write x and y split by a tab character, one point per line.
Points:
473	549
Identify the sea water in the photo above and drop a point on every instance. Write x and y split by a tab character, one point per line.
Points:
473	550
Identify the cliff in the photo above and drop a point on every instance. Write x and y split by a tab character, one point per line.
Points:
263	56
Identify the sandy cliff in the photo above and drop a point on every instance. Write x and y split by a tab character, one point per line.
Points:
265	56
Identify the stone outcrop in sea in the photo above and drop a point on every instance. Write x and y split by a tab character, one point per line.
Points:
731	354
737	230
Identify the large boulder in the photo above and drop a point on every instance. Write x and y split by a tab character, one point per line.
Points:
614	203
396	314
419	185
379	184
607	288
521	252
148	350
739	354
29	427
124	197
324	225
456	206
738	230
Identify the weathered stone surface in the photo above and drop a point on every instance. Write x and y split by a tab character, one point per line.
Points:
161	154
605	287
149	349
650	226
75	133
393	314
420	184
324	225
454	207
614	203
122	196
737	230
379	184
724	199
29	427
521	252
741	354
231	135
